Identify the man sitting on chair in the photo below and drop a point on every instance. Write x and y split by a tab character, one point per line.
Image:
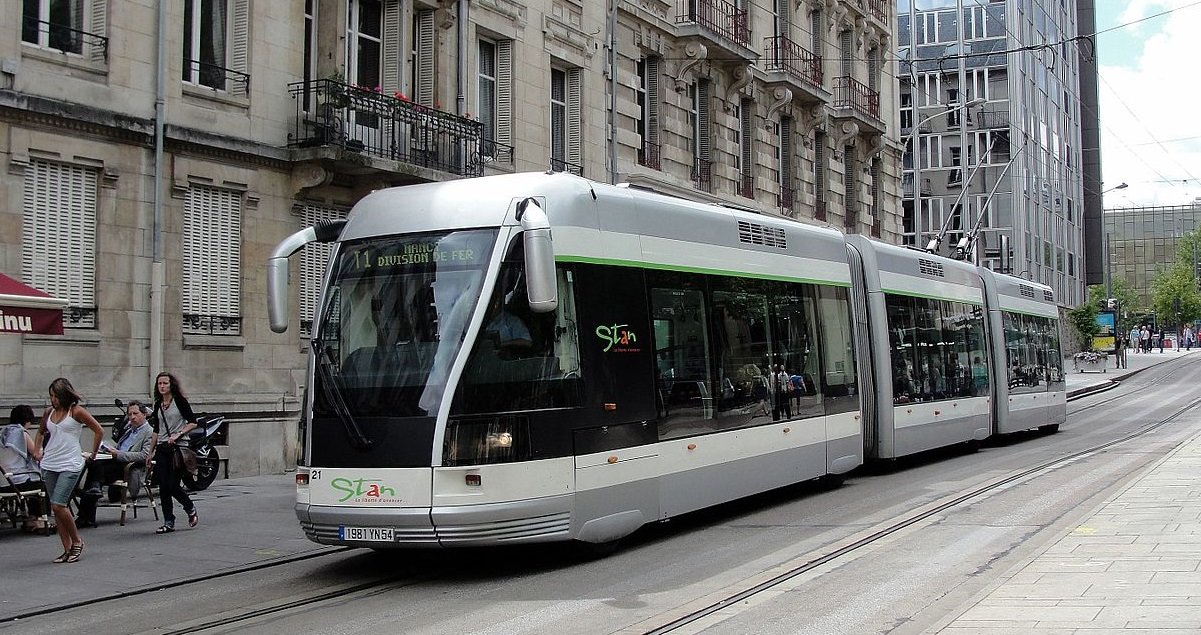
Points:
132	449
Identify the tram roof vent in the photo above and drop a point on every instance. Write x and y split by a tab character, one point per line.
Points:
1048	296
1027	290
930	267
756	234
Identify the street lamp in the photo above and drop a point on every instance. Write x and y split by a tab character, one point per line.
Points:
1120	186
1105	241
912	138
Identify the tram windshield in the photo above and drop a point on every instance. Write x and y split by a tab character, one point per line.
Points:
395	318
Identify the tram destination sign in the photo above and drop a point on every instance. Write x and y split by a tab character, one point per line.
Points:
415	254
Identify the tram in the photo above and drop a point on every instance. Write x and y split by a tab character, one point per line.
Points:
539	357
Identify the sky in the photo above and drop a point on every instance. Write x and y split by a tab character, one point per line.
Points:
1150	101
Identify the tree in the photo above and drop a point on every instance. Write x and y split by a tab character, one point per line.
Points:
1174	294
1084	320
1128	304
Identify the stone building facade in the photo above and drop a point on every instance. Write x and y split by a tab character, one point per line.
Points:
153	160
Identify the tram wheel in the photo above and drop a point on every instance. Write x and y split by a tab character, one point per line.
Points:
596	550
832	481
1050	428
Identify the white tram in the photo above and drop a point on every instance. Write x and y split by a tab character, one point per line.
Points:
538	357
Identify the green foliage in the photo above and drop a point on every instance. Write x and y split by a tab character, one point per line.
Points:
1174	294
1084	321
1128	303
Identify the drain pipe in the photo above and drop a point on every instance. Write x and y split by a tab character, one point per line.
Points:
461	67
612	28
158	274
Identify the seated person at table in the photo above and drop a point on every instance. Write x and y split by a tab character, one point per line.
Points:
132	449
16	462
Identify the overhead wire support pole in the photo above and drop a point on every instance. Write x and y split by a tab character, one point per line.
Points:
968	243
946	224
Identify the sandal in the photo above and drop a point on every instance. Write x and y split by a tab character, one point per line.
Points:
165	529
193	518
63	558
74	554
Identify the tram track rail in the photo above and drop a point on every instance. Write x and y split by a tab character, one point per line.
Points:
844	551
812	562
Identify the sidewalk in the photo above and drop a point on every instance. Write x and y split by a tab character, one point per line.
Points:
1133	566
1079	384
243	522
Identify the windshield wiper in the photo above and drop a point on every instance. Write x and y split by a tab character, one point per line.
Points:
333	395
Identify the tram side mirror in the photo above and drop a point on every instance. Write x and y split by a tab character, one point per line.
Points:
541	284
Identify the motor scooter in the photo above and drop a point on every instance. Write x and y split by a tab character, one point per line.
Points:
208	461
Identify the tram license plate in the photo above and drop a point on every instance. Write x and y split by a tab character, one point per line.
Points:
367	534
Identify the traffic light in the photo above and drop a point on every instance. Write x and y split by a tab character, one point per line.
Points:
1111	304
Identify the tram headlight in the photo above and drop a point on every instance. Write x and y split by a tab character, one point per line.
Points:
501	439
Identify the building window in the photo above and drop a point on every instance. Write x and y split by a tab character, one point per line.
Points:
745	142
58	240
53	24
313	261
495	98
565	120
212	261
310	51
215	43
486	76
699	117
421	60
647	96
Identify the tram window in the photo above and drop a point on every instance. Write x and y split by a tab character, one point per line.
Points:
838	351
901	333
977	348
794	320
522	360
957	332
741	334
684	386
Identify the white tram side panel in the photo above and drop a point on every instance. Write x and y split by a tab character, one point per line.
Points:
1024	332
929	352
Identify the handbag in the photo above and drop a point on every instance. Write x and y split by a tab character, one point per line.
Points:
185	459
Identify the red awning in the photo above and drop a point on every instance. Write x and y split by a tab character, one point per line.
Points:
24	309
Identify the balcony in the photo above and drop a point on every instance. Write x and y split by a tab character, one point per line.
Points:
559	165
877	9
790	63
495	155
991	119
648	155
722	27
746	185
702	174
355	123
854	100
786	198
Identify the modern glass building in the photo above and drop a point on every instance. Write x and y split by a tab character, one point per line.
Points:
1142	240
993	135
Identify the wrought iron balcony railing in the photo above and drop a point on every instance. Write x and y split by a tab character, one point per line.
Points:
907	186
559	165
878	9
494	153
786	198
60	37
991	119
213	76
850	93
387	126
746	185
702	174
197	324
723	18
787	56
648	155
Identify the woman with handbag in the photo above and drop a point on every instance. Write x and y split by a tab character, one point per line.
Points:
62	459
173	419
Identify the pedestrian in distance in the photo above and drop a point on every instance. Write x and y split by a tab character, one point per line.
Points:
1133	340
173	419
1144	335
62	459
1120	351
1160	337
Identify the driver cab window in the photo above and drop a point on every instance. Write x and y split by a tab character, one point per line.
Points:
522	360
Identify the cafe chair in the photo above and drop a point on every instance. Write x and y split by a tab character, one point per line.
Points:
16	501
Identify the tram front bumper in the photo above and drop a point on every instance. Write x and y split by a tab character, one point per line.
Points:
536	520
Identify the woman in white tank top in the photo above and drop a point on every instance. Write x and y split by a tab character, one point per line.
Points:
62	459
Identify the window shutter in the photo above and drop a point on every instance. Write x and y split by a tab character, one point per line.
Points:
239	54
504	92
59	235
786	152
653	65
390	82
849	187
819	165
703	117
314	260
815	18
783	18
746	109
212	265
574	116
423	92
99	26
845	44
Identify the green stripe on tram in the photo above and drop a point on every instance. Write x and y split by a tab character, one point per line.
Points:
638	264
